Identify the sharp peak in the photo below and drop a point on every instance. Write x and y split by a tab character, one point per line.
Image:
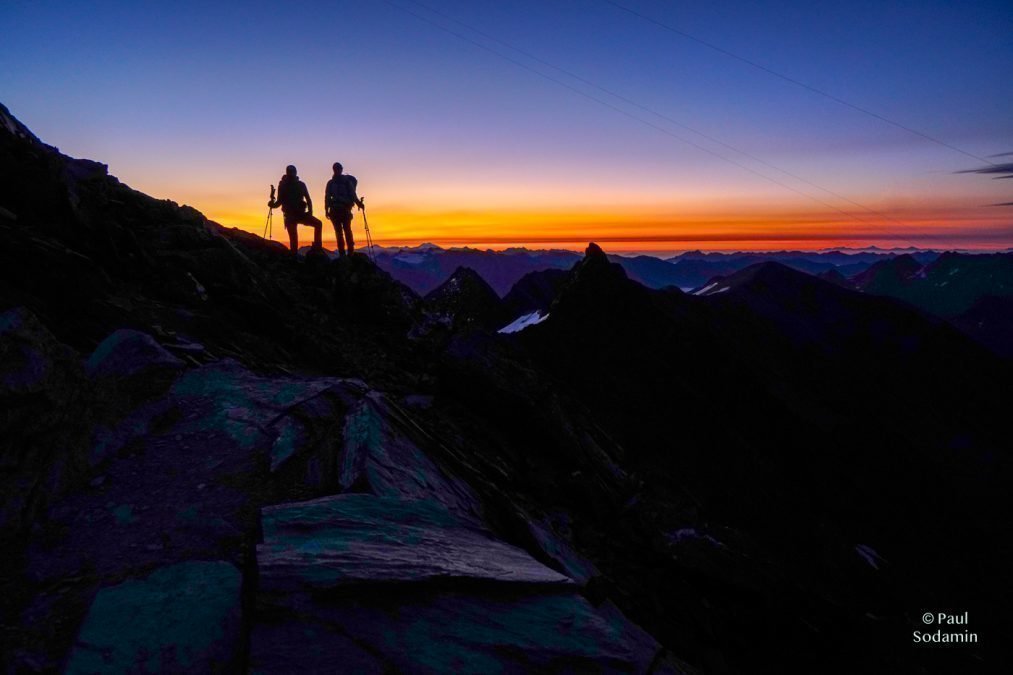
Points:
593	251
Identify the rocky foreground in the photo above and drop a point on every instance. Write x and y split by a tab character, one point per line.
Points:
217	458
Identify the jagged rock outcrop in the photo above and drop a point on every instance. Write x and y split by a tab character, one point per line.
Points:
163	536
750	403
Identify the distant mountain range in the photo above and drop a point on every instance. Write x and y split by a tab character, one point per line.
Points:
425	267
967	289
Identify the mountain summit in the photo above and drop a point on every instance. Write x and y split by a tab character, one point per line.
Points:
218	458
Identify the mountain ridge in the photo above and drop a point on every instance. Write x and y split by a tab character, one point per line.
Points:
200	429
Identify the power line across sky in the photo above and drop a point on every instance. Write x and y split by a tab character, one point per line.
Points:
791	80
638	106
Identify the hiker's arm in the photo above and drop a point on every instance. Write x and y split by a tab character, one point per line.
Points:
309	202
355	195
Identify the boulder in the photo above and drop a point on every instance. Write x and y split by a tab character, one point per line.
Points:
184	618
382	456
31	359
43	402
131	354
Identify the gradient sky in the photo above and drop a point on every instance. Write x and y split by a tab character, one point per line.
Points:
205	103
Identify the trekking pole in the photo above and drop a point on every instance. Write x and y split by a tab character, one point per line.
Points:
369	237
269	225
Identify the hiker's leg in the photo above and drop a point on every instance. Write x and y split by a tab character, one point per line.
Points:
293	236
318	228
347	224
338	234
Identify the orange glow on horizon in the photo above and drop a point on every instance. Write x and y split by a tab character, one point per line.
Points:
624	229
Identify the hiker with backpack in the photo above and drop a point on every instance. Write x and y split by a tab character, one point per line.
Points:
339	198
297	207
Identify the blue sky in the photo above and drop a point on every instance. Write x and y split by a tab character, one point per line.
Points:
206	105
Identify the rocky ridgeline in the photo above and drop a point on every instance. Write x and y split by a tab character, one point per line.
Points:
217	457
284	523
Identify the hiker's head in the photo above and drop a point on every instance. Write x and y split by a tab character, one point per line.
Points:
338	168
290	171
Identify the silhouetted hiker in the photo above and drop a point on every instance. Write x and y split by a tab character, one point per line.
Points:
339	198
295	202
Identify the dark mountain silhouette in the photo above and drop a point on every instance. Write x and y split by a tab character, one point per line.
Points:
465	299
970	290
697	268
534	291
888	275
990	321
946	287
215	457
650	271
836	278
782	405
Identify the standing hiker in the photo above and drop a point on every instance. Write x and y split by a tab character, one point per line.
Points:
339	198
296	205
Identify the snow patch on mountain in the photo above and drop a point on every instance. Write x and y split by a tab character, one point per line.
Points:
712	289
703	291
522	322
869	555
692	534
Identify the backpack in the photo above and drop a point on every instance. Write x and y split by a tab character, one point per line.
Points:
341	190
290	195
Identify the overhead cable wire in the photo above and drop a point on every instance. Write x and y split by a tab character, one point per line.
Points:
792	80
657	114
621	111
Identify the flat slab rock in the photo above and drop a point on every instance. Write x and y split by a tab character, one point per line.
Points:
361	538
361	583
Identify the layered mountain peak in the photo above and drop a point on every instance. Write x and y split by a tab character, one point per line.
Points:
463	282
887	274
763	277
465	298
535	291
